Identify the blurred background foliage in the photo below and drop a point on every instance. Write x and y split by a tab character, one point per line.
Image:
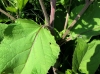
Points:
31	9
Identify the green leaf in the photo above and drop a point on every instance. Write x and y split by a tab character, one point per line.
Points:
64	2
27	48
68	71
89	24
2	29
21	4
11	9
79	53
91	60
85	56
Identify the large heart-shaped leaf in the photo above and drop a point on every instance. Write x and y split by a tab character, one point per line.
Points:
27	48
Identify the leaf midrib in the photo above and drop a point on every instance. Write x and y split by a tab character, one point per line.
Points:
32	46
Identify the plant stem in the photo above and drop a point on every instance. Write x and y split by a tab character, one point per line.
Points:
86	1
54	70
67	16
52	14
11	17
44	12
77	17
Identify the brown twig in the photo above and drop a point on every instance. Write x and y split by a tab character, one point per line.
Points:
44	12
8	15
52	14
54	70
67	16
86	1
77	17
